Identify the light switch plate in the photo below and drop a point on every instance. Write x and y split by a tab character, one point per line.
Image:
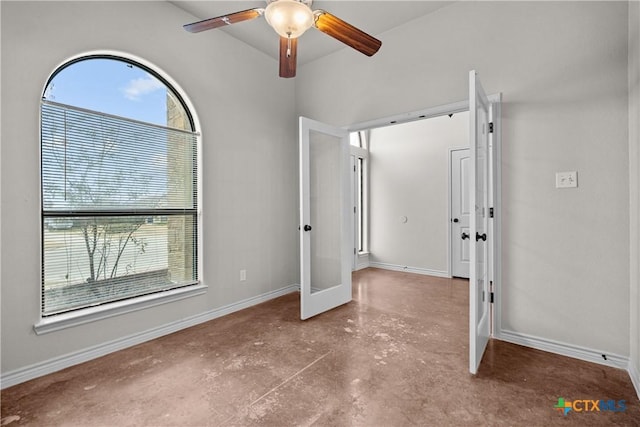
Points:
567	179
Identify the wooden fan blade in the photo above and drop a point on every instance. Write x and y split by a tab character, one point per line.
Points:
346	33
288	55
221	21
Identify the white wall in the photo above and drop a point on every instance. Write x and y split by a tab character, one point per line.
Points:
249	160
562	67
634	180
408	176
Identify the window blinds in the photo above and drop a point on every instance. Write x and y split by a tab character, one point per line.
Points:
119	206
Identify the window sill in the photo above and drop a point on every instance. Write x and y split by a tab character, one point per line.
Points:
91	314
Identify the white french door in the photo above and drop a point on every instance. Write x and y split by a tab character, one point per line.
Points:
326	243
479	290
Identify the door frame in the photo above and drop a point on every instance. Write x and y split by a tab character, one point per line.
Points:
495	247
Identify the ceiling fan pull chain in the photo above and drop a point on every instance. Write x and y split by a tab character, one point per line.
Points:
289	46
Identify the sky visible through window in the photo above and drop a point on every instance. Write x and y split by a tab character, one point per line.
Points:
121	89
113	87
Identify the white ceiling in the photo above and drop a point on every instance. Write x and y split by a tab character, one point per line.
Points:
373	17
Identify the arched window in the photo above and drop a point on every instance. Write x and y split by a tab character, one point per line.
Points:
119	185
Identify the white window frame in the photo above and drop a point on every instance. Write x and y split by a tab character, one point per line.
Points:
91	314
360	153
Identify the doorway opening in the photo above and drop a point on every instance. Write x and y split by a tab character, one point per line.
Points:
403	198
346	194
484	208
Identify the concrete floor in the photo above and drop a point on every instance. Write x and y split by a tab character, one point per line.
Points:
395	356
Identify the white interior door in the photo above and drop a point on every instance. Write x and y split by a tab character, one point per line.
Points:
479	297
326	237
460	210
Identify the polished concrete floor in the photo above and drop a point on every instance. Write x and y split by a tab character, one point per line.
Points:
395	356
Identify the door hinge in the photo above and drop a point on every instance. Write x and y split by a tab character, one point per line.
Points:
490	127
490	212
354	168
491	293
354	209
354	251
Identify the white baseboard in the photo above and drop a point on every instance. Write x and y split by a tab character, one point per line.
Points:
8	379
635	378
564	349
362	262
416	270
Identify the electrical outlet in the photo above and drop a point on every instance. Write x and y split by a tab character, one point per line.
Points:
243	275
566	179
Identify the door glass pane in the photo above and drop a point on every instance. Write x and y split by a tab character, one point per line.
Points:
325	213
481	211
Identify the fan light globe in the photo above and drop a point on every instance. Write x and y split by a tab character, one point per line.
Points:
289	18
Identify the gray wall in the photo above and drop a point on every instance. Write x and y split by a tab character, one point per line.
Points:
249	160
408	176
562	67
634	179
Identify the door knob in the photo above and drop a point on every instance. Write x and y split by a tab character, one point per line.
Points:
456	220
307	227
482	236
464	236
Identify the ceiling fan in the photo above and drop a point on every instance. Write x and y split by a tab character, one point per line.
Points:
290	19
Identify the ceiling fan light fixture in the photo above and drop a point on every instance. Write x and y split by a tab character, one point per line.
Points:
289	18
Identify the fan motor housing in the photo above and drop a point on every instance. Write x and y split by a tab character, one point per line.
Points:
307	2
